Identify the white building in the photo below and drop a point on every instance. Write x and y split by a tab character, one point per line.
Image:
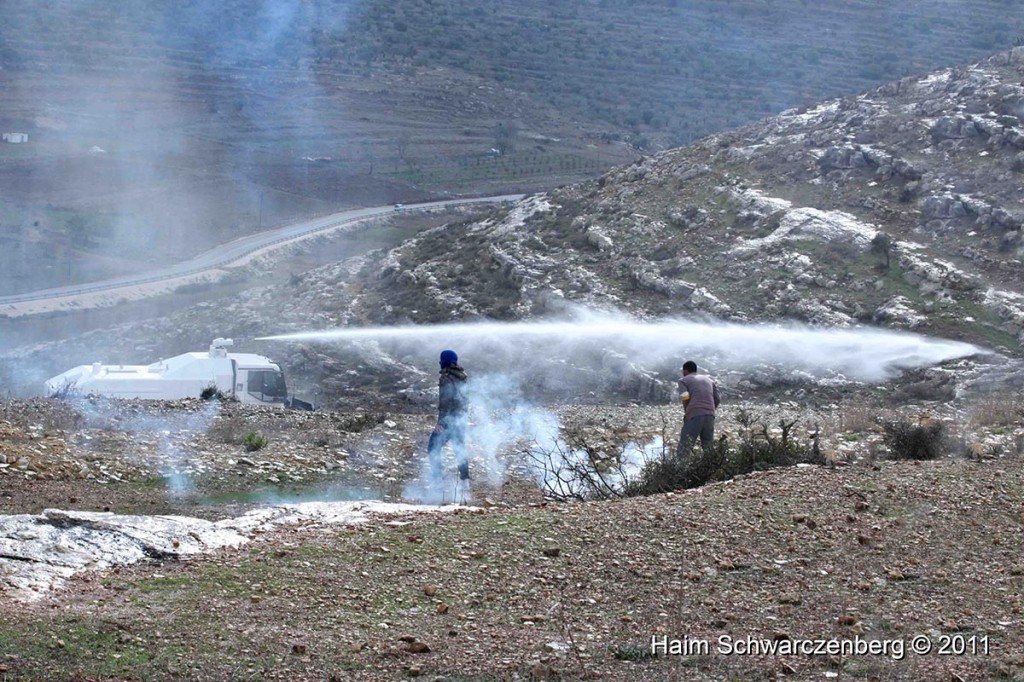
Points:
15	138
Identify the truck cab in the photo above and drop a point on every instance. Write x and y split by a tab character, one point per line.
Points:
262	384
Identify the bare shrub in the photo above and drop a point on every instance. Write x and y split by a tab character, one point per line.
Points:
907	440
579	470
66	391
211	392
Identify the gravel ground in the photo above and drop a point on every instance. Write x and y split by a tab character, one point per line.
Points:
518	587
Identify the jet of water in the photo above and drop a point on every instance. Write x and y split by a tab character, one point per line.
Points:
858	353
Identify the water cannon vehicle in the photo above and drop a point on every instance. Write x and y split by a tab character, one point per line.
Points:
246	377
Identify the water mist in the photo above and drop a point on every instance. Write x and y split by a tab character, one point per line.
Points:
502	359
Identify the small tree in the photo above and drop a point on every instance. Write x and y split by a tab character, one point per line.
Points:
505	137
884	245
77	227
402	147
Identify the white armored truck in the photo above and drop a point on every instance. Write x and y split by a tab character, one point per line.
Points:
247	377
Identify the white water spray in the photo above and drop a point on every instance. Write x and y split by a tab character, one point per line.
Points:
510	363
861	354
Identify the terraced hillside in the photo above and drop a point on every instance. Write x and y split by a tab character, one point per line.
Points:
672	71
161	130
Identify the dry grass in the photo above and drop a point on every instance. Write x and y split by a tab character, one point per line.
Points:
857	418
996	410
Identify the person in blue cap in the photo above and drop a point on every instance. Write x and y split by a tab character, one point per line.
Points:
452	412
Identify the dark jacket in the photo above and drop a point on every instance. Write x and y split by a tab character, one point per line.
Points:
451	399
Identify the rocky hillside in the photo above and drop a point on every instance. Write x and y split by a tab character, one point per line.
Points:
899	207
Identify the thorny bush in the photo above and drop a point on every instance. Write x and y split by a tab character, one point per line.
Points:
576	469
757	448
907	440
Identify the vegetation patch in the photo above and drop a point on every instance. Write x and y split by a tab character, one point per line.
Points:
925	439
254	441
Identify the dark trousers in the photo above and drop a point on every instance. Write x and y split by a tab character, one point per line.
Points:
445	431
703	427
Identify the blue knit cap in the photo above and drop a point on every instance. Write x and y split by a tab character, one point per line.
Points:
448	358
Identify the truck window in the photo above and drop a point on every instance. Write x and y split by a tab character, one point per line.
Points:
267	386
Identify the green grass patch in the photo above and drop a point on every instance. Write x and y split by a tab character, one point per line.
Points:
85	650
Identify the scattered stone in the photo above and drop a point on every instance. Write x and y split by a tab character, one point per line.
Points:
541	671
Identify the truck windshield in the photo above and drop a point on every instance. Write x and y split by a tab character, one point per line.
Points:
267	385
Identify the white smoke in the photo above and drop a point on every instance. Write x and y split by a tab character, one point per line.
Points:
173	433
499	419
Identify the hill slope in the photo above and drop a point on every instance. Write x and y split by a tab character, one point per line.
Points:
900	206
547	591
793	218
167	129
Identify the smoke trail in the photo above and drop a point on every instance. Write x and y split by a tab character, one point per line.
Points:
860	354
173	432
503	431
499	418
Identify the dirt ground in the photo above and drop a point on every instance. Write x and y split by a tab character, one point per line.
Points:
879	552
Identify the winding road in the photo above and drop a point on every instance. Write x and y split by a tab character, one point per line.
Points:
200	267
